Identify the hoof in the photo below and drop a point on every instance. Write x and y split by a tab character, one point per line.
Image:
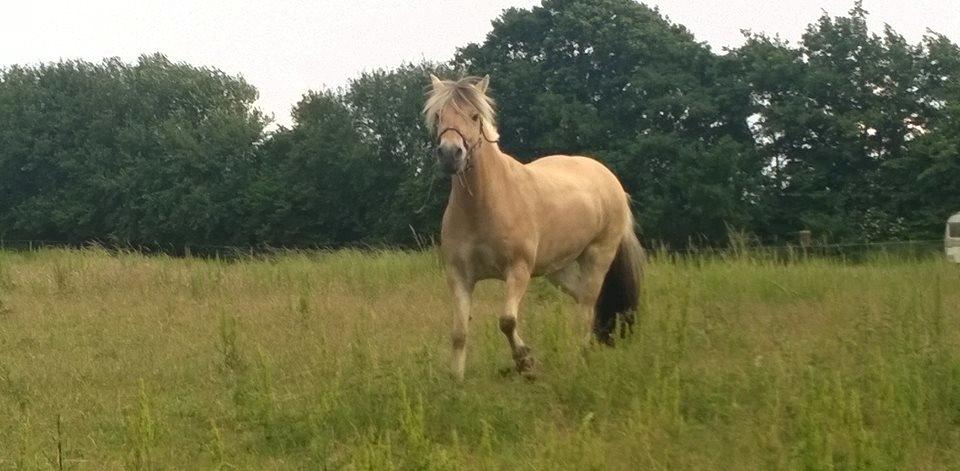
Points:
528	374
524	361
525	370
524	364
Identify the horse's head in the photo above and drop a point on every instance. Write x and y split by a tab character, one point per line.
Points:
462	117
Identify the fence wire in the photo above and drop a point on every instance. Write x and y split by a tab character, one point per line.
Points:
852	251
847	250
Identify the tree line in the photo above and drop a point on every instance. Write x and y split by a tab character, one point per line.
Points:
851	134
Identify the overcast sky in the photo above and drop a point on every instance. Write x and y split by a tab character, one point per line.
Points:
287	47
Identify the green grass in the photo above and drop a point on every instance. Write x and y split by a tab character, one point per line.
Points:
339	360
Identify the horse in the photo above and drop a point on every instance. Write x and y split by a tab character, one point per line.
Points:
566	218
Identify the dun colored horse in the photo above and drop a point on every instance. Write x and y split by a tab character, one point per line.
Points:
563	217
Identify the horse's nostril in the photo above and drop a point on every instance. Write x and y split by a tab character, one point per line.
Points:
451	152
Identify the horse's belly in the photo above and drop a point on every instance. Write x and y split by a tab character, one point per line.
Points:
553	265
553	258
487	262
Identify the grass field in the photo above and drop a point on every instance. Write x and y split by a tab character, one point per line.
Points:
339	360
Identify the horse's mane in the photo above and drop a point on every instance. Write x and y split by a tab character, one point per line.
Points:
461	95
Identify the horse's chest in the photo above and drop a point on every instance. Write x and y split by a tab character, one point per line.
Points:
488	247
485	260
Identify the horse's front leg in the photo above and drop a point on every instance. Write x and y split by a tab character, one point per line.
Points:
517	279
462	289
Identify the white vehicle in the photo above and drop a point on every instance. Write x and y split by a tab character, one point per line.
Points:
951	238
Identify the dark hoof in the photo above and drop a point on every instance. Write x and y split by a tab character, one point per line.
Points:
524	360
526	371
605	339
524	364
528	374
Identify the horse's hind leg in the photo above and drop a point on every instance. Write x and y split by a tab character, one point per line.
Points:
567	279
594	264
582	280
517	280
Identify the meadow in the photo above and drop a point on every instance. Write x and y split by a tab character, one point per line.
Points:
339	360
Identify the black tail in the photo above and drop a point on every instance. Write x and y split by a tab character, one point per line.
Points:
620	294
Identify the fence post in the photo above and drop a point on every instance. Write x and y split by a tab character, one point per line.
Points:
806	240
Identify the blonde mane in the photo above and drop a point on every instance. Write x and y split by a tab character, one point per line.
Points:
461	95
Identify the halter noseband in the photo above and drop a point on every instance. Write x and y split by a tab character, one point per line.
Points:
468	152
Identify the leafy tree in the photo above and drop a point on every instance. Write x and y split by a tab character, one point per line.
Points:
409	193
356	166
615	80
313	184
151	153
849	133
922	180
841	120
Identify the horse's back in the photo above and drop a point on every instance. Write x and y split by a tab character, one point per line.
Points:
565	173
581	202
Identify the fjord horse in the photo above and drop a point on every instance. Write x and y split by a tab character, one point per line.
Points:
563	217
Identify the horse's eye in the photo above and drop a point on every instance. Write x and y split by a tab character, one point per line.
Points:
476	117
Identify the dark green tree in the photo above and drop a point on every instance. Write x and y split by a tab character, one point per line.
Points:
848	122
850	133
314	183
615	80
409	192
149	153
355	167
921	181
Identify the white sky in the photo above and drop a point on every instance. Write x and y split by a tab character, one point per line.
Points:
287	47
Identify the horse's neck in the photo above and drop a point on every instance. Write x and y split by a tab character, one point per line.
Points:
488	184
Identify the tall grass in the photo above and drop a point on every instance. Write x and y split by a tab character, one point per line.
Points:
339	360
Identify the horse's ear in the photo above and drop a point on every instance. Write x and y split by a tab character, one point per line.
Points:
484	84
434	80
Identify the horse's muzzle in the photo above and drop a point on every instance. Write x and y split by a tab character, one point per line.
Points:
450	157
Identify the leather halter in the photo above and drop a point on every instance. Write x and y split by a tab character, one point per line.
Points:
468	152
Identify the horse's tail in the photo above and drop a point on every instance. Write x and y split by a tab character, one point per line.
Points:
620	294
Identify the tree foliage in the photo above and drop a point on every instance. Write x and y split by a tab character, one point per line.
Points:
615	80
850	122
150	153
849	133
